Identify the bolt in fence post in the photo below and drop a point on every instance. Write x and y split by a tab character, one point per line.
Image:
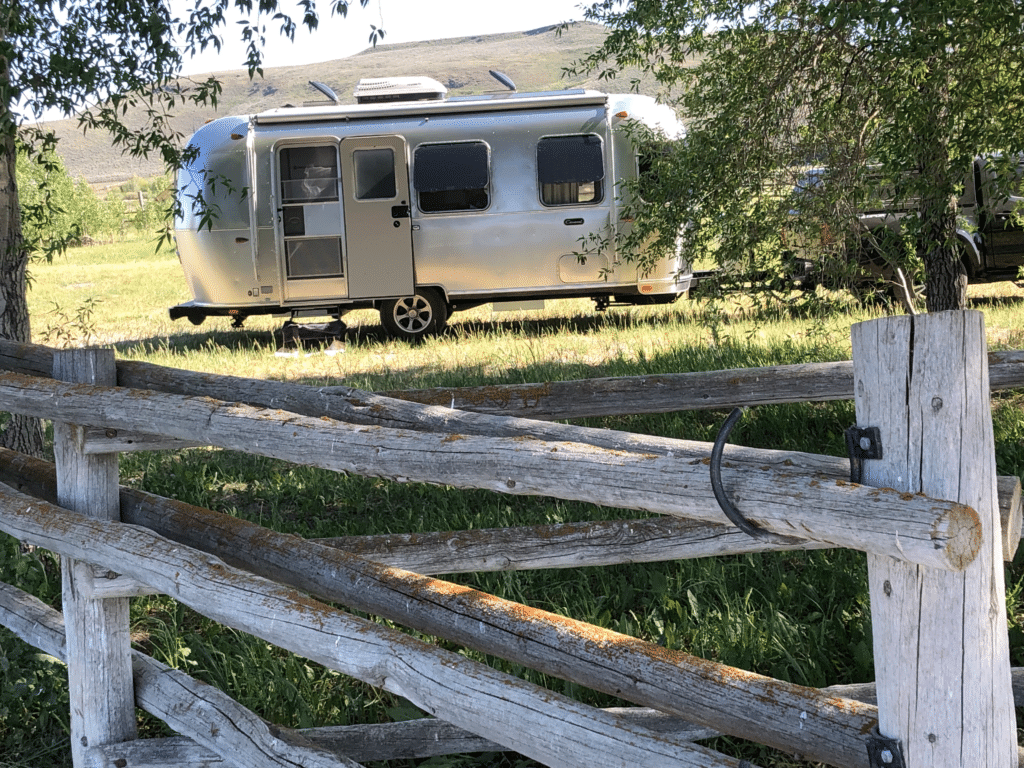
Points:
98	634
940	638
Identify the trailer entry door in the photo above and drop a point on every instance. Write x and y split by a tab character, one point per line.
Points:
311	222
378	231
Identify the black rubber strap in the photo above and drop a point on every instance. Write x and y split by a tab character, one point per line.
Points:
731	512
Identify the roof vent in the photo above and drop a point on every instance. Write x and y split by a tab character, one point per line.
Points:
382	89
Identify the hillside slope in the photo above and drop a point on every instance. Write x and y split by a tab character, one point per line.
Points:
533	59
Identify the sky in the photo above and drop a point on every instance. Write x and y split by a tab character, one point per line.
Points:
403	21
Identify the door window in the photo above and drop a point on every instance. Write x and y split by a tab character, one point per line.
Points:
374	174
570	170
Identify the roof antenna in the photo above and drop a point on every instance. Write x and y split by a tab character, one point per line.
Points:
325	90
502	78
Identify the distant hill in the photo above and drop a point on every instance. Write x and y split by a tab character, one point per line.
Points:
533	59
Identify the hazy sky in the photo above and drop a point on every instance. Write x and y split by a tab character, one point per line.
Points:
402	20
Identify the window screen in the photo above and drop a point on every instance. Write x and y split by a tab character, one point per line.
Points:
570	170
451	177
309	174
375	174
316	257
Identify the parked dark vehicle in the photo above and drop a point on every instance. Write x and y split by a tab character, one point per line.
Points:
990	227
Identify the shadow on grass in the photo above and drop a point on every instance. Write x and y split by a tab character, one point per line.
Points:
237	339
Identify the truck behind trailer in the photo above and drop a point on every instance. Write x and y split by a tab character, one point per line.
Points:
415	204
990	226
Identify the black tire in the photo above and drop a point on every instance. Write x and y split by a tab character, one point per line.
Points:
413	317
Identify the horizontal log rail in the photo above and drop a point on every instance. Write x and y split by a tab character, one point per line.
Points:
501	708
665	393
204	708
564	545
608	396
785	501
358	407
187	704
712	695
598	543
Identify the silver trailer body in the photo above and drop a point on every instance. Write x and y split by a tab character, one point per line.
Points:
448	202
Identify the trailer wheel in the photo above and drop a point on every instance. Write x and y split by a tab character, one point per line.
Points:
414	317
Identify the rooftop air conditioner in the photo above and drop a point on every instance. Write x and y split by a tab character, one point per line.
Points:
382	89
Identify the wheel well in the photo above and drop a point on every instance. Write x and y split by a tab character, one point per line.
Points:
378	303
971	258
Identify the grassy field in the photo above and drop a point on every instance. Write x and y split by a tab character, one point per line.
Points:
802	617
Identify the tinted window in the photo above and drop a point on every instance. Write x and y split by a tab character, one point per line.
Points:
451	177
375	174
570	170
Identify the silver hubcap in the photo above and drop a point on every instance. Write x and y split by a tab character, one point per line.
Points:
412	315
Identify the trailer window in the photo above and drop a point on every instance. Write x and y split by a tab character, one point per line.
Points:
314	257
375	174
309	174
451	177
570	170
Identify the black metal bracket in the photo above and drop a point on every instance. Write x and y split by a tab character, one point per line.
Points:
884	752
862	443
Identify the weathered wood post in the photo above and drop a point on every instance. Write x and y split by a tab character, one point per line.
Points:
98	634
940	638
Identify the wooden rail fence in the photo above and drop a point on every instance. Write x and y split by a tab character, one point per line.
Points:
932	516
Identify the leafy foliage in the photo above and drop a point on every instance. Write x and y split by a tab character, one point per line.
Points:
116	64
34	703
893	99
58	212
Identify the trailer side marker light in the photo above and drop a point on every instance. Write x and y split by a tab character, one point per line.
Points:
647	288
622	115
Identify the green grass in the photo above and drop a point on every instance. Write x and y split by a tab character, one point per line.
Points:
802	617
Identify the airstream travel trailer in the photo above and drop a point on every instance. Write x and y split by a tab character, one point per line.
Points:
414	204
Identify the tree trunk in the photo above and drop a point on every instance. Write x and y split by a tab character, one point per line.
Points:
946	278
21	433
937	244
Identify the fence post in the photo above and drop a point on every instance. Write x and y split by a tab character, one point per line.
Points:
940	638
98	634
